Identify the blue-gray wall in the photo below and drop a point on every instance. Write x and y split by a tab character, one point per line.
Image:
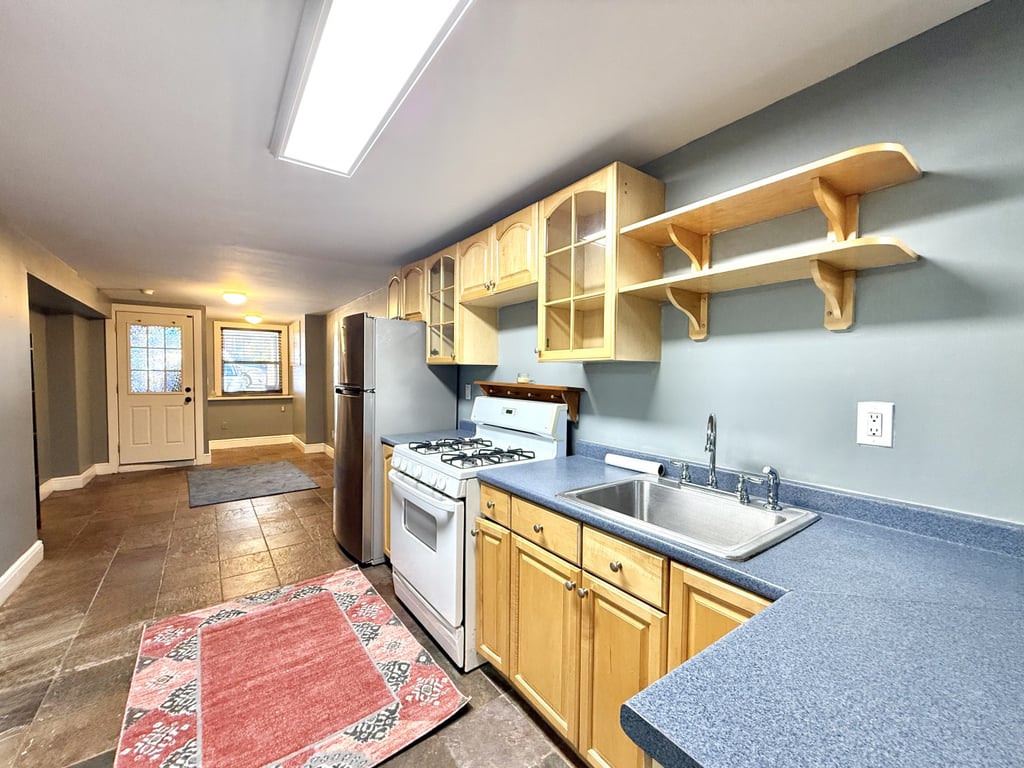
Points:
943	338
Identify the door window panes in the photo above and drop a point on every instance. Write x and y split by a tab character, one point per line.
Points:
154	357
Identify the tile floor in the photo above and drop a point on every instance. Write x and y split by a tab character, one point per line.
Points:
127	549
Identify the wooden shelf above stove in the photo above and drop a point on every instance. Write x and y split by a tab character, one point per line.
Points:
548	393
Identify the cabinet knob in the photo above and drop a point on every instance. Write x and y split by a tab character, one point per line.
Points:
570	586
537	527
474	533
490	505
615	566
582	592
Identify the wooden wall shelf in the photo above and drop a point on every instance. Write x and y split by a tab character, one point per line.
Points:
541	392
832	267
833	184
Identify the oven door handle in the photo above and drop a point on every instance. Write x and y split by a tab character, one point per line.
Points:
441	509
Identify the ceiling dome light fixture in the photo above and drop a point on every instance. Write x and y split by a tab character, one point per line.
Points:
254	319
234	298
352	66
147	291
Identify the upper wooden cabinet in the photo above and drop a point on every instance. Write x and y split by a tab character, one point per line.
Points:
498	266
476	256
581	315
456	335
395	296
440	297
413	291
406	289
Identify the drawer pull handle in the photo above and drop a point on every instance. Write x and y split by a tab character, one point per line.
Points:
490	505
582	592
537	527
615	566
570	586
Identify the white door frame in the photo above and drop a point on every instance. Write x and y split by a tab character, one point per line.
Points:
113	428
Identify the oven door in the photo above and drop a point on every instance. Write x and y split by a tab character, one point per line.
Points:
426	544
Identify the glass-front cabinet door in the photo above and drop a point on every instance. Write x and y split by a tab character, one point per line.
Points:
441	308
575	269
583	259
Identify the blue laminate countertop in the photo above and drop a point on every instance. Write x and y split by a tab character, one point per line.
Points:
883	648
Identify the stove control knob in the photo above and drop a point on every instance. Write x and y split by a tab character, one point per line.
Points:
417	472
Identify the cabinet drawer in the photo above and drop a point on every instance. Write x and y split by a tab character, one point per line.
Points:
547	529
494	504
632	569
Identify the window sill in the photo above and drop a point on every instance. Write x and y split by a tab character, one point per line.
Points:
235	398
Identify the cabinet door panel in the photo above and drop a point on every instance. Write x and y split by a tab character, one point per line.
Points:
702	610
623	646
475	266
493	547
413	289
545	639
395	297
388	451
515	250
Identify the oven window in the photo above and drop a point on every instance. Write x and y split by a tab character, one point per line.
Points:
422	525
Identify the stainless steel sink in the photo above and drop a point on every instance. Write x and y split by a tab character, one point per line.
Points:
708	520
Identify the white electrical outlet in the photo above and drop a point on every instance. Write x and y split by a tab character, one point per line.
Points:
469	391
875	423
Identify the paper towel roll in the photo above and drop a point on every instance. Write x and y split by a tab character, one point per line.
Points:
628	462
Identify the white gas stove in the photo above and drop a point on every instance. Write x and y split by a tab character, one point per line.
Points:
434	498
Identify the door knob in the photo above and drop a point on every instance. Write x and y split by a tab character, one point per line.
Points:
582	592
188	389
188	400
570	585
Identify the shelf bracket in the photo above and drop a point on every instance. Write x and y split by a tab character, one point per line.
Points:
694	245
694	306
841	212
839	287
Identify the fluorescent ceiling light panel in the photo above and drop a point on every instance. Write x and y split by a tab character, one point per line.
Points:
353	64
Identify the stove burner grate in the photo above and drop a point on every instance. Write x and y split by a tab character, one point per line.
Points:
449	444
486	456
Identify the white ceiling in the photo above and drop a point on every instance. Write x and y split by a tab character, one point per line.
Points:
134	133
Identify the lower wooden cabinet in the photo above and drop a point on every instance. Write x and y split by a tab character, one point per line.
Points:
387	451
576	646
703	609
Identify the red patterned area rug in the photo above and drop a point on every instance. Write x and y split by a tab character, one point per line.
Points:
320	674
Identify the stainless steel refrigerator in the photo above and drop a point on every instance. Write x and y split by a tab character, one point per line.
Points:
383	386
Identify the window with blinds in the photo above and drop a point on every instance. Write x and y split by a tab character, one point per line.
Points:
251	360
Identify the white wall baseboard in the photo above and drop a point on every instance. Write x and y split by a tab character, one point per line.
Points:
16	574
106	468
70	482
329	450
249	442
308	447
206	458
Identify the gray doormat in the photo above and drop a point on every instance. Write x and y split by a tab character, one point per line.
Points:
214	486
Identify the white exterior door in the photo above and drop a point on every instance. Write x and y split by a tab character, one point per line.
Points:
155	387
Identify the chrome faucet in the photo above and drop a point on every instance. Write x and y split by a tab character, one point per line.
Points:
773	487
709	447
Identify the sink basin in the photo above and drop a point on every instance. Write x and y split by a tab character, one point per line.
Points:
705	519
